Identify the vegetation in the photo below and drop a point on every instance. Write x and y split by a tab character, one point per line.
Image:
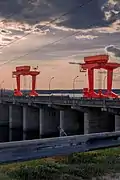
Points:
5	177
78	166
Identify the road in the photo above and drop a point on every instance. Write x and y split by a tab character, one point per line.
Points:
41	148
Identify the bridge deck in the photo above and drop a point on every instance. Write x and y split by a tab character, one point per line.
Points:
62	100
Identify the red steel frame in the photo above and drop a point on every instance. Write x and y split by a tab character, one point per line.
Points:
98	62
25	71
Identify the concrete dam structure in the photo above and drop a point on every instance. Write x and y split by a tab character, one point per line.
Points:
33	116
24	118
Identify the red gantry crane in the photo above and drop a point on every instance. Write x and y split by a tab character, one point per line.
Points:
98	62
25	71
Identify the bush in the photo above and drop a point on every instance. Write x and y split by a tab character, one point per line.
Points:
74	167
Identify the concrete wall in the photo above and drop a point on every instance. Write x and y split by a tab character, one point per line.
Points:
27	122
30	122
49	122
15	116
4	114
71	122
96	121
117	123
15	122
4	122
30	118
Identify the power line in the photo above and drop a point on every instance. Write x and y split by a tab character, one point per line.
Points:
62	15
38	49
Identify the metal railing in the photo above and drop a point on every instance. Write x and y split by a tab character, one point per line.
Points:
62	100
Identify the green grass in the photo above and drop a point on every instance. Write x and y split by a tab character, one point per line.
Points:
4	177
74	167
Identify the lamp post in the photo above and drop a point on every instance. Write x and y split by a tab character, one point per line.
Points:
74	82
104	81
50	81
1	87
1	84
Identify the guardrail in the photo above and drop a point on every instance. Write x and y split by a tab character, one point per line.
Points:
63	100
41	148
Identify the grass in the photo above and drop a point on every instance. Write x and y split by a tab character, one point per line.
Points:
78	166
4	177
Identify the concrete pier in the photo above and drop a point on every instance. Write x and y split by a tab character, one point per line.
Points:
96	121
71	122
4	115
15	117
30	122
15	123
21	119
49	122
117	123
4	122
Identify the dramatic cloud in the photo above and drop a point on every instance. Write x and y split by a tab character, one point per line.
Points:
32	15
93	22
35	11
84	31
113	50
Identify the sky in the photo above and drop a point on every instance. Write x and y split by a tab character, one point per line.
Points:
29	35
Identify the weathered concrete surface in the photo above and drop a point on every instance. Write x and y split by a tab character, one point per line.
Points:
117	123
4	123
30	122
96	121
15	116
30	118
71	122
4	114
49	120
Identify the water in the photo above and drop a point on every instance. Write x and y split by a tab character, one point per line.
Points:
4	133
31	135
15	134
7	135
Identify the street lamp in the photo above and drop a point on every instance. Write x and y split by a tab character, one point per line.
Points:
1	86
74	82
50	81
104	81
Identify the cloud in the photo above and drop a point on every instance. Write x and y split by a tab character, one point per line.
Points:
33	12
106	19
30	16
11	31
113	50
91	23
89	37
